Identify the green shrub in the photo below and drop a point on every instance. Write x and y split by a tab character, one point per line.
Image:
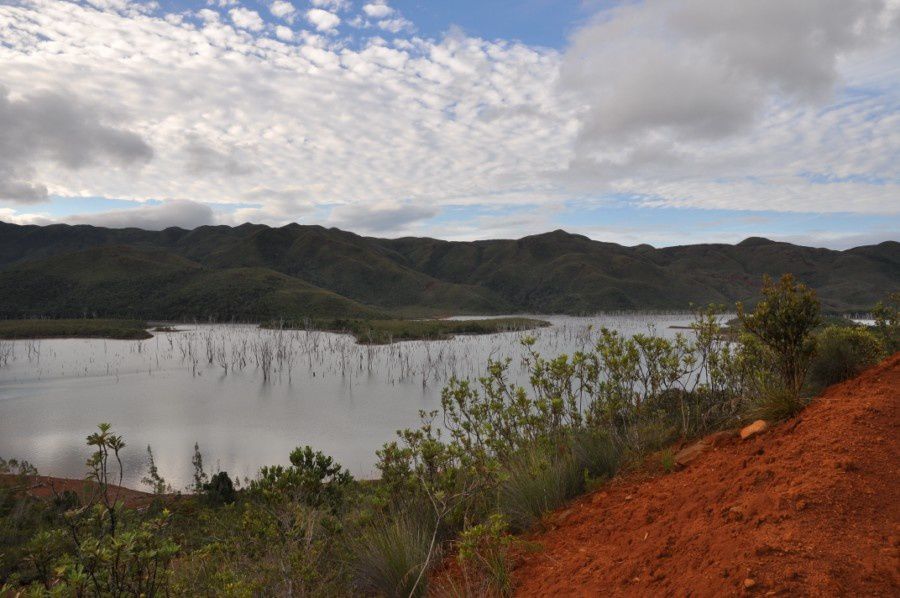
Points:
776	404
842	353
485	559
220	489
536	482
389	557
783	322
597	456
887	322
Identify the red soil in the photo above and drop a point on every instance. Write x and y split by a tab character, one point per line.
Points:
46	486
811	507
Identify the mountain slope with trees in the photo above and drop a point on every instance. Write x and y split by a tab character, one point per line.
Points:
257	271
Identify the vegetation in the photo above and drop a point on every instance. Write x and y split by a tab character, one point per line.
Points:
82	328
378	332
494	460
254	273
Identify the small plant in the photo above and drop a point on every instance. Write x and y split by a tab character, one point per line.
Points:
390	556
484	557
535	483
667	460
200	477
155	481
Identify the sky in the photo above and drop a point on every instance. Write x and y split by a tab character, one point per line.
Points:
649	121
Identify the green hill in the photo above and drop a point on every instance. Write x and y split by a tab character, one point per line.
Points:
259	272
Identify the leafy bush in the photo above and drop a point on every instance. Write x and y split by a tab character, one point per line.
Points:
842	353
783	322
313	479
484	558
887	322
220	489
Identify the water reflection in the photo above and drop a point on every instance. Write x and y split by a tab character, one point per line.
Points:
247	396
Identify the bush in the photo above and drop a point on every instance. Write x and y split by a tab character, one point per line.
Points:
535	483
887	322
776	404
390	556
220	489
842	353
783	322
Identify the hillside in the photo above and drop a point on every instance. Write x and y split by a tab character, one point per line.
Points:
809	508
256	272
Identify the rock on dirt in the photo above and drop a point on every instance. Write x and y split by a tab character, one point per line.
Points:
756	427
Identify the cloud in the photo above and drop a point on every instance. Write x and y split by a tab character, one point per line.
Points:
332	5
322	20
181	213
391	217
396	25
674	104
378	10
46	127
246	19
202	159
283	10
693	71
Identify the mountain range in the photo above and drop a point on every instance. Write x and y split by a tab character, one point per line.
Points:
255	272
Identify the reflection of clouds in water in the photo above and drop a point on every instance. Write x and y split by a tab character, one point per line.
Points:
173	390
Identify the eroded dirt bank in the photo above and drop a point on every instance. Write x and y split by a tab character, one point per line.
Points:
811	507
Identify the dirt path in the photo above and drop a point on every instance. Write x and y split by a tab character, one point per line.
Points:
809	508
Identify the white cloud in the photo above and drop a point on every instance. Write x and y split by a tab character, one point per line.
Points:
246	19
283	10
284	33
332	5
416	125
322	20
378	10
396	25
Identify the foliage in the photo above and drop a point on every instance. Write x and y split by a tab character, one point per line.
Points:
313	479
887	322
498	455
83	328
155	481
783	322
390	556
842	353
380	332
485	558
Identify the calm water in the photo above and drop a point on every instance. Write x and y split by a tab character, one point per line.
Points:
174	390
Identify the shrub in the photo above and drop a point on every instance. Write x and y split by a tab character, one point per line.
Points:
776	404
313	478
597	456
484	558
783	321
842	353
887	322
536	482
220	489
390	556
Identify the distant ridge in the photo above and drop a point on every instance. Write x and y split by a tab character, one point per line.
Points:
254	272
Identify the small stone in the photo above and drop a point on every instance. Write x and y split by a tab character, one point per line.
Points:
689	454
756	427
749	583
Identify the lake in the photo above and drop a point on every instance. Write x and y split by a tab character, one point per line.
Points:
247	396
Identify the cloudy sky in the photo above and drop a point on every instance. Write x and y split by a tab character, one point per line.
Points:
653	121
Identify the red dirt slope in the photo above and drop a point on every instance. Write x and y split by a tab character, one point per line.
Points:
811	507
